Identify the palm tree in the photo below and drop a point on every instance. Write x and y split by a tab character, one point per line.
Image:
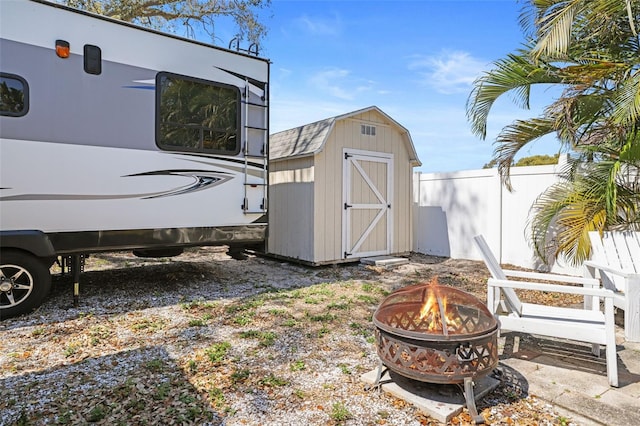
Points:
590	49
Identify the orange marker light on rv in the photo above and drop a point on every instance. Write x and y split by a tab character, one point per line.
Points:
62	49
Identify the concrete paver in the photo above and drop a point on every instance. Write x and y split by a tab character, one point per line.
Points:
571	381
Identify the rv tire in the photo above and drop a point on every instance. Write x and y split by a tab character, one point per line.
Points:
24	282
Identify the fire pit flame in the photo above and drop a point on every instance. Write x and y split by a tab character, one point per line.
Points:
434	310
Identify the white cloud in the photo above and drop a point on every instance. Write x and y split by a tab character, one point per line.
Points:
448	72
340	84
319	26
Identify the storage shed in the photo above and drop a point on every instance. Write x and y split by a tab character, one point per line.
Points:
340	189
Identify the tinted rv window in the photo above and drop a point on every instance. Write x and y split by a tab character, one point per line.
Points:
14	95
197	115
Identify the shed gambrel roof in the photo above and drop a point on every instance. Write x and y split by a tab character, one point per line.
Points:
310	139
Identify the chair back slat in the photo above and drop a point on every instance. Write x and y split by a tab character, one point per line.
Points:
619	250
510	296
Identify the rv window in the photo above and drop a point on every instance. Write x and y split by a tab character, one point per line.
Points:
197	115
14	95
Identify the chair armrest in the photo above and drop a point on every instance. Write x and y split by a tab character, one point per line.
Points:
589	282
554	288
607	268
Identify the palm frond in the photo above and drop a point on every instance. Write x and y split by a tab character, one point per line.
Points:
513	138
516	74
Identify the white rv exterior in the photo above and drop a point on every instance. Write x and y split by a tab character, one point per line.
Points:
117	137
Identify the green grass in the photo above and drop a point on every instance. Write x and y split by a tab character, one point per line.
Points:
217	352
217	397
240	376
328	317
266	338
298	365
344	368
154	365
339	412
273	381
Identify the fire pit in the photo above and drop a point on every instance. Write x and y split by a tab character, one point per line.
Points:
436	334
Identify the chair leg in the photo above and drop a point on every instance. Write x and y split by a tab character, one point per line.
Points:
610	337
632	309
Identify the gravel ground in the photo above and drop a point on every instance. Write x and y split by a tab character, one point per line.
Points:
205	339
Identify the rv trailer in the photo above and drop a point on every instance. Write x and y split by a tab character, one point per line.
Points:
116	137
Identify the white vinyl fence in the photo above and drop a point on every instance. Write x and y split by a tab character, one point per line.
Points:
451	208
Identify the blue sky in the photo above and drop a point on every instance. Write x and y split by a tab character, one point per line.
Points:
415	60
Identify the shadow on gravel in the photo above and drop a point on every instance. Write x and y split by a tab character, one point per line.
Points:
140	386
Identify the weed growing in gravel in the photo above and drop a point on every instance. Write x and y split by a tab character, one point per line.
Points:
290	323
371	300
339	412
192	366
323	289
266	338
344	368
240	376
155	365
196	323
97	413
71	349
39	331
298	365
217	351
273	381
343	306
359	329
99	333
162	391
197	304
323	331
217	397
244	319
328	317
367	287
245	306
148	324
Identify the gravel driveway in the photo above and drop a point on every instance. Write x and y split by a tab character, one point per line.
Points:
206	339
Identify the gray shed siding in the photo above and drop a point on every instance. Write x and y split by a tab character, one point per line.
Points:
291	208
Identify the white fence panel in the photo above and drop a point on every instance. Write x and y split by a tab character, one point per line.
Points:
451	208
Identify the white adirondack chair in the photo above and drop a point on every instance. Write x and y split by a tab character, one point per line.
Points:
589	325
615	258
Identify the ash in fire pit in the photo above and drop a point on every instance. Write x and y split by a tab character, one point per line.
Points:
436	334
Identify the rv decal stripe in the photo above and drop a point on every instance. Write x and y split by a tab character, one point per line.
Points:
202	179
140	87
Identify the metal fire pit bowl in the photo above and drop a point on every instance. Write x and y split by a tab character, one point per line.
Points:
428	349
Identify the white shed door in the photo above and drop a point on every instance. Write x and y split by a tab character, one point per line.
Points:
367	196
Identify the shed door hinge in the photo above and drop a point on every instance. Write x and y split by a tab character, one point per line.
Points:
347	206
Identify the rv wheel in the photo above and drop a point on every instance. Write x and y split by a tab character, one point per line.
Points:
24	283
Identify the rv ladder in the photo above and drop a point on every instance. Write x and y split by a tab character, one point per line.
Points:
255	143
